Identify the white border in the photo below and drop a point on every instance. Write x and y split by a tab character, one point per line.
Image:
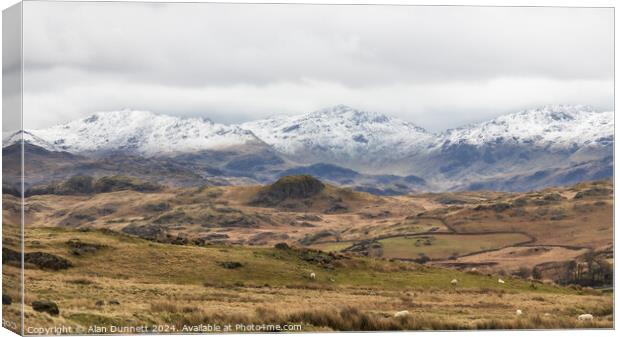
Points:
560	3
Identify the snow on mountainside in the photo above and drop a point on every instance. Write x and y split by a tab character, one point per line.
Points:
28	137
142	132
553	126
341	132
534	148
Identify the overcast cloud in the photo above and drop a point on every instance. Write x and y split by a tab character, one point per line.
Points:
438	67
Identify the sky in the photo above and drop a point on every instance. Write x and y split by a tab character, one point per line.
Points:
438	67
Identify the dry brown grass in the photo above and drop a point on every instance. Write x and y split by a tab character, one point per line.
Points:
540	322
315	309
350	318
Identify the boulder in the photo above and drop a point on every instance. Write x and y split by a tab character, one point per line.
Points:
46	306
230	264
148	232
47	261
282	246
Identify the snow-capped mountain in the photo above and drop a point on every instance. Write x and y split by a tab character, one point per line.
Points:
545	146
140	132
554	126
341	134
533	145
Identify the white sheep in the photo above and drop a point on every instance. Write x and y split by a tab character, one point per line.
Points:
454	282
313	276
403	313
519	312
585	317
499	280
474	269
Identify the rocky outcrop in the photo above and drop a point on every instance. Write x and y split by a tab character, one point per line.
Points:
289	187
39	259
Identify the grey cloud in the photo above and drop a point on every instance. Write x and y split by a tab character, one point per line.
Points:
229	61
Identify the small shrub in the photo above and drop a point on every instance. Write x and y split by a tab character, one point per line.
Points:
230	264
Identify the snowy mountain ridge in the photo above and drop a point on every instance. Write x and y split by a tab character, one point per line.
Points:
341	132
140	132
338	132
556	126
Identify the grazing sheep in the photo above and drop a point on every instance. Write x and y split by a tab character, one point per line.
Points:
499	280
403	313
313	276
474	269
547	314
519	312
454	282
585	317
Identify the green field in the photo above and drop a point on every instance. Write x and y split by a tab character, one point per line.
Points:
445	246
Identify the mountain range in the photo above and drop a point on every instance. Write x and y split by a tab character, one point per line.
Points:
545	146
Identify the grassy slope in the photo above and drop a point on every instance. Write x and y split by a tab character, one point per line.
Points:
144	261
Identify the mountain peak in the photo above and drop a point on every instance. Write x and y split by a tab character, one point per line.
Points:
27	137
557	112
138	116
562	108
346	112
340	108
548	125
340	133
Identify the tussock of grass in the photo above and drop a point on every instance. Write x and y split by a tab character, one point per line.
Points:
538	322
344	319
352	319
81	281
88	319
598	310
171	307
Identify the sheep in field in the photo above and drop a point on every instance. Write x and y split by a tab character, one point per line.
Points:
585	317
403	313
454	282
500	281
519	312
313	276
